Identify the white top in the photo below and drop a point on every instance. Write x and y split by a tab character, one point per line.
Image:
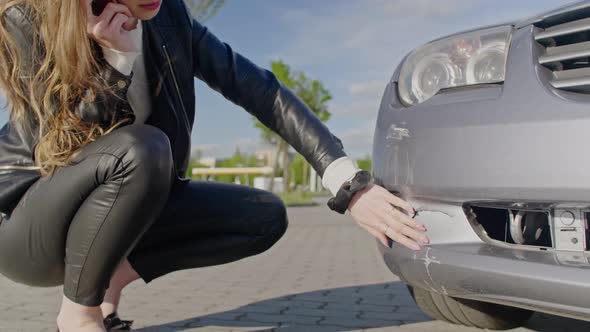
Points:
337	172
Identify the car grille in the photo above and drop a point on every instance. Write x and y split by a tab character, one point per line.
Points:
565	37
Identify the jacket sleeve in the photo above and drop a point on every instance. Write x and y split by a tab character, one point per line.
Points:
102	107
259	92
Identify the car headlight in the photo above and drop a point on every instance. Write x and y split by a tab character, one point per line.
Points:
477	57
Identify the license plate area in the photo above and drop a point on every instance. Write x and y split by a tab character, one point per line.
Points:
570	228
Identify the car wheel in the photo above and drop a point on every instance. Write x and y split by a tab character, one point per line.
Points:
482	315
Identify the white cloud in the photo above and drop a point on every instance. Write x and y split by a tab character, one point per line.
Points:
424	8
361	107
205	148
244	144
358	140
369	33
371	89
365	99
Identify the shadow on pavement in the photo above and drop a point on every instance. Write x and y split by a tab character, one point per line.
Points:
387	305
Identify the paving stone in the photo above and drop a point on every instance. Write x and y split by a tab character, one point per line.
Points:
354	322
261	309
308	328
395	316
321	312
284	303
283	318
360	307
209	323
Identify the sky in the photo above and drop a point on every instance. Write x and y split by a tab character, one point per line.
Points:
351	46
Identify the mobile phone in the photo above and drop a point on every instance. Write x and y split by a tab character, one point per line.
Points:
98	6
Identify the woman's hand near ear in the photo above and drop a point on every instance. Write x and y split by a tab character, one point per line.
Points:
112	28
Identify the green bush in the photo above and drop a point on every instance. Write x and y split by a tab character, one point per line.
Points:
295	198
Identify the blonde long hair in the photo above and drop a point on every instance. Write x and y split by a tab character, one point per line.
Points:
64	66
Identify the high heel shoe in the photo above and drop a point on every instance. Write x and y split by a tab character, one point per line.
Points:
112	322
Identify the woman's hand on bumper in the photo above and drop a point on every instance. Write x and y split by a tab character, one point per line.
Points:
374	209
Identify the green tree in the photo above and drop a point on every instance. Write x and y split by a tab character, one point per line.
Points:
202	10
365	163
314	95
297	169
238	159
194	163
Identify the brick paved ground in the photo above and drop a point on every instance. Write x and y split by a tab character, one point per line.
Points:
324	275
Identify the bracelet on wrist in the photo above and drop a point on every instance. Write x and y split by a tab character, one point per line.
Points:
341	201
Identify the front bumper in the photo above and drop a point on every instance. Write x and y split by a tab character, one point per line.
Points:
535	280
460	263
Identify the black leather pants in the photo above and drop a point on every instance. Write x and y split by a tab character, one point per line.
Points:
121	199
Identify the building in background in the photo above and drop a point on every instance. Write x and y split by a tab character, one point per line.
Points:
207	161
265	157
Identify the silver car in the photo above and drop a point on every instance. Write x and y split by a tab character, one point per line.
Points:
485	133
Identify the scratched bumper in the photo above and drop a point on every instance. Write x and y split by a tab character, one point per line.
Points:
460	264
545	281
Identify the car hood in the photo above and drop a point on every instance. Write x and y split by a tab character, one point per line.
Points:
570	12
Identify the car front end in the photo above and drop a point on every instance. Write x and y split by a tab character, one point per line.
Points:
484	133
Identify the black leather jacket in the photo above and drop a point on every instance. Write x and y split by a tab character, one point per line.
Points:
177	48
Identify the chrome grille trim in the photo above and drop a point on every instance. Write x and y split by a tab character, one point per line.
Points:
568	13
577	80
566	51
563	30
